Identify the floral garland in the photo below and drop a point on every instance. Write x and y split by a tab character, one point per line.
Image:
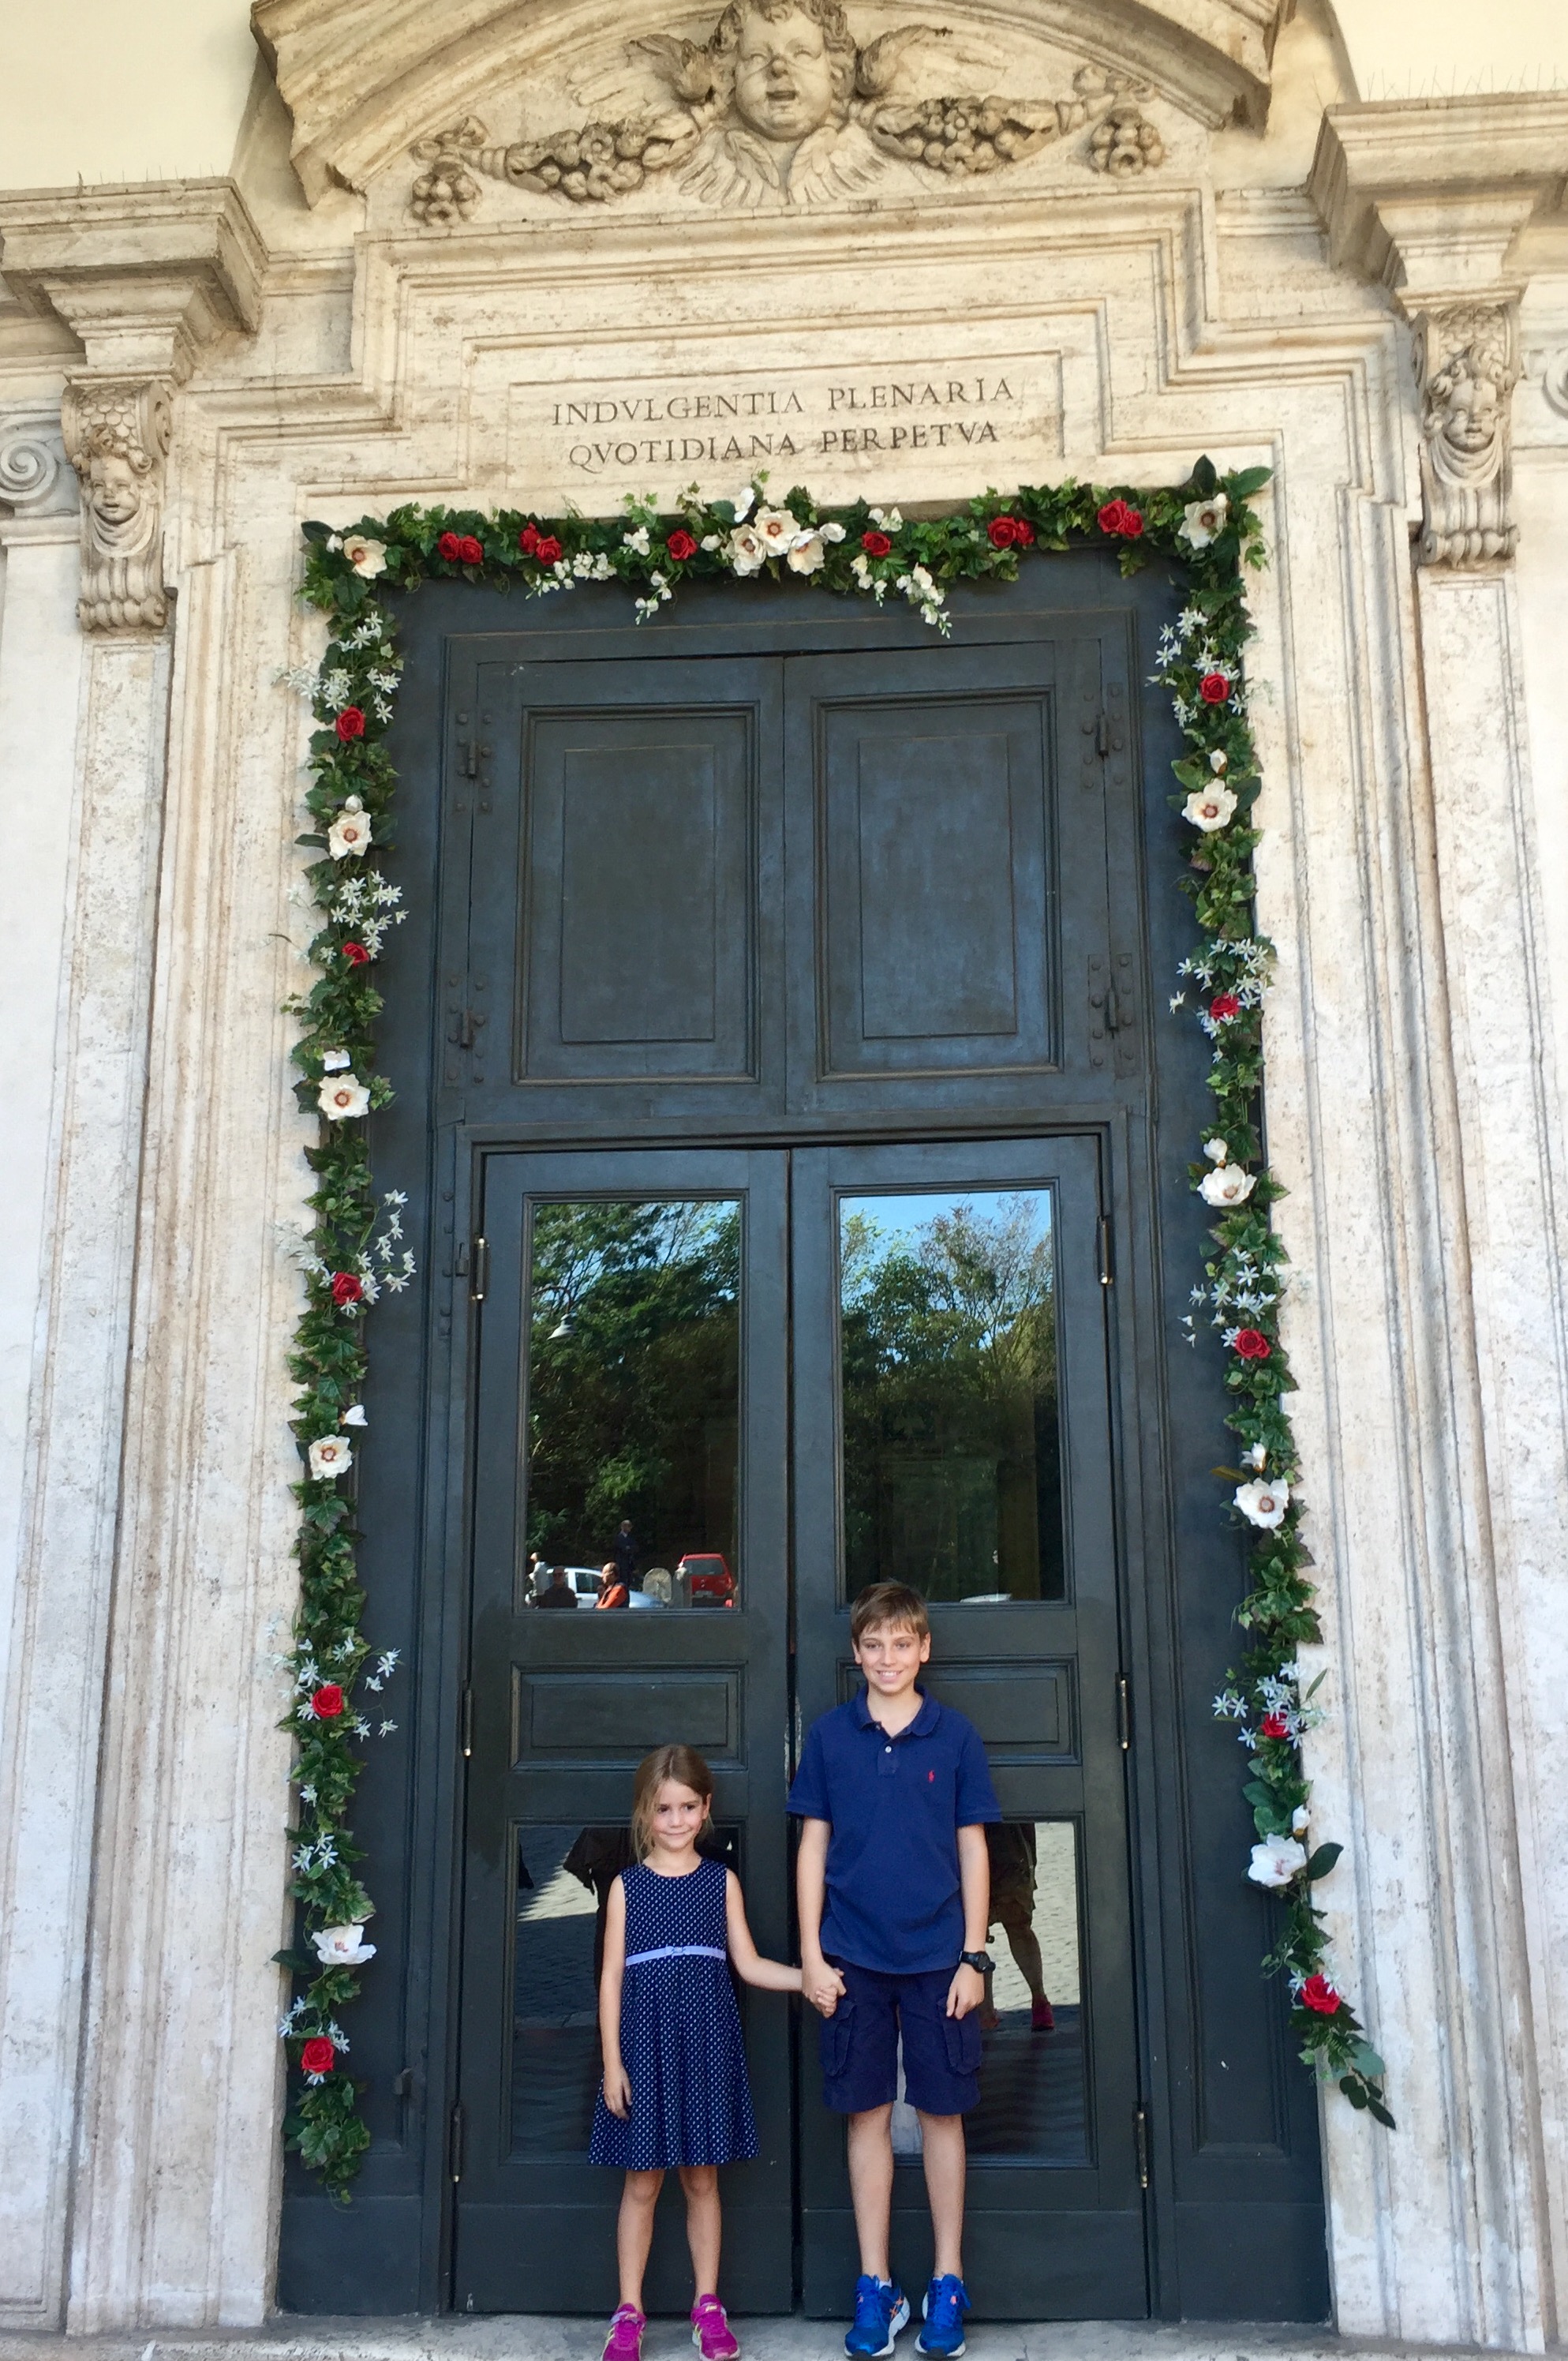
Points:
353	1251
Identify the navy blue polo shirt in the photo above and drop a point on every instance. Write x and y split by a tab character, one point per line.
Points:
896	1806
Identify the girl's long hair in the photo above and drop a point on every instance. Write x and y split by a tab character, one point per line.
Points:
687	1767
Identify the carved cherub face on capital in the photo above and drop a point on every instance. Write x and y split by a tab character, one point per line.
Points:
794	66
1470	419
114	487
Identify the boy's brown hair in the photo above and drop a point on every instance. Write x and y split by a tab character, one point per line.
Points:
889	1603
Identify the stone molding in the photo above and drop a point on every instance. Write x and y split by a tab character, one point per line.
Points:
1430	203
36	480
145	278
364	79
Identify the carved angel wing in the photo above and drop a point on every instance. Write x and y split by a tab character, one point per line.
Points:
734	172
833	162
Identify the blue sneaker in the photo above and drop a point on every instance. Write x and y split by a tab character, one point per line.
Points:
944	2309
882	2309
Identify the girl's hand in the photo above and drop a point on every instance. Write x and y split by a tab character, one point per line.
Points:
618	2091
823	1986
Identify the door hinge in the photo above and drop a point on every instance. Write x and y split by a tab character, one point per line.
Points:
1124	1711
455	2144
468	1023
1102	1242
1140	2143
480	1272
467	1740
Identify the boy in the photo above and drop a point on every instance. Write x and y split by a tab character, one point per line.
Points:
894	1892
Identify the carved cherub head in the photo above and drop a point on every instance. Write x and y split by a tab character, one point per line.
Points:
791	64
117	485
1465	401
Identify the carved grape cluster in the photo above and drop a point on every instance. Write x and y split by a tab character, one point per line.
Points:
1125	142
964	135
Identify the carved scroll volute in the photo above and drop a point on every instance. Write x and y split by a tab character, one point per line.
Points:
116	436
1466	359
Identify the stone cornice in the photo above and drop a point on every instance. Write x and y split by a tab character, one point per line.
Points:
145	275
363	78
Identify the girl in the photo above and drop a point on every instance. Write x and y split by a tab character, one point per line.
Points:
675	2089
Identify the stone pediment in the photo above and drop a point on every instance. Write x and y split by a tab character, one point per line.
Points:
541	96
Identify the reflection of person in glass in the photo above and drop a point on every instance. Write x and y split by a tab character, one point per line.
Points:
613	1590
627	1551
675	2089
1011	1844
559	1591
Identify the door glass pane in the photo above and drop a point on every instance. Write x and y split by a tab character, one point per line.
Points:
1032	2088
947	1344
633	1403
563	1878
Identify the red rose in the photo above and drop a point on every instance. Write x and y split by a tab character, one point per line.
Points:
470	551
1319	1993
450	547
876	544
528	539
350	723
317	2055
681	545
1111	518
1002	532
1023	534
356	954
327	1702
1252	1344
548	550
1213	688
1224	1005
1132	522
347	1288
1273	1725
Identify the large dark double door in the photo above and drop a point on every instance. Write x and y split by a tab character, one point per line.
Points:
787	998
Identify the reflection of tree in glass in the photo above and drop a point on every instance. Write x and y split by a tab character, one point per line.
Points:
951	1457
634	1376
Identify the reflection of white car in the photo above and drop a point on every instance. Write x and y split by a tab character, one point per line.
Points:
585	1581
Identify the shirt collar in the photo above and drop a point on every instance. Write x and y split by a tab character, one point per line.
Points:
924	1723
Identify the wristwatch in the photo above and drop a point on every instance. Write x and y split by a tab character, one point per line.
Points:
981	1961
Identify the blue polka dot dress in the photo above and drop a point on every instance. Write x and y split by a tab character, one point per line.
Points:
680	2030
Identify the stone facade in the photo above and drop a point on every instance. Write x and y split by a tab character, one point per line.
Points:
465	256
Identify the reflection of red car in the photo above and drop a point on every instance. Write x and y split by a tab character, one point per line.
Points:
710	1576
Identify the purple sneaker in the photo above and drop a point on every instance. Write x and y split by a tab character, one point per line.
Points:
711	2332
624	2341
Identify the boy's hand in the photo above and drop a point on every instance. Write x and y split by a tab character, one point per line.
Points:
618	2091
823	1985
965	1991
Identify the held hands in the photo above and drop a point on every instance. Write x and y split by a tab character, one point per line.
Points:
618	2091
822	1985
965	1991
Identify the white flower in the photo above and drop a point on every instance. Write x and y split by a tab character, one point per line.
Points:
334	541
1219	761
746	550
806	554
341	1098
778	528
1276	1862
637	540
1264	1502
355	1417
1228	1184
337	1060
741	504
367	557
885	520
1210	807
330	1457
1216	1151
1299	1819
712	540
342	1947
1202	520
350	832
1258	1456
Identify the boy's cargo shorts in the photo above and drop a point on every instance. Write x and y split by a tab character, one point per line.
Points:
860	2044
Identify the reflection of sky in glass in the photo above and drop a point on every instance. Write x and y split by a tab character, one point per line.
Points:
900	1217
